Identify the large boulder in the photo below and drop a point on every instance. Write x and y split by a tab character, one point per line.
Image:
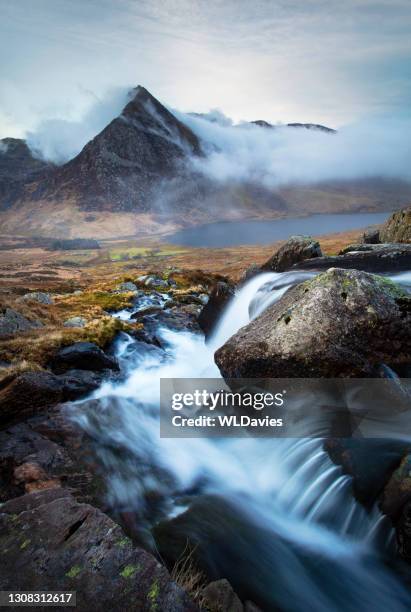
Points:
398	227
220	295
49	540
340	323
296	249
12	322
83	356
38	296
366	257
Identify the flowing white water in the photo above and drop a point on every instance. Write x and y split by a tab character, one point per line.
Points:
289	488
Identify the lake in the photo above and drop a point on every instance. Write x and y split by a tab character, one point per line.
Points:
233	233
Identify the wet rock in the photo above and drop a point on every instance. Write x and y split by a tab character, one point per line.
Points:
177	318
398	489
340	323
361	248
403	532
28	394
398	227
83	356
295	250
34	478
126	287
371	236
219	596
384	258
75	322
147	310
76	547
12	322
370	463
209	316
38	296
78	383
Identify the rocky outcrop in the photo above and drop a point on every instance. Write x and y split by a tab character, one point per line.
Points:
53	539
122	166
341	323
369	258
220	296
83	356
398	227
12	322
295	250
17	167
38	296
371	236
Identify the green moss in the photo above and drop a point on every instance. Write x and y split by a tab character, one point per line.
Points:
73	571
153	594
24	544
388	286
129	571
123	542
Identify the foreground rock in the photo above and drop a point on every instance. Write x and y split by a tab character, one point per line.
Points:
83	356
52	539
341	323
212	311
295	250
368	258
398	227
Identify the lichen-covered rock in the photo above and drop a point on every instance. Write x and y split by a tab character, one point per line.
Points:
12	322
126	287
38	296
75	322
67	546
209	316
83	356
296	249
340	323
398	227
219	596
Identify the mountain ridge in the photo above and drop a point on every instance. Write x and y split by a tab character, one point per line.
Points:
136	176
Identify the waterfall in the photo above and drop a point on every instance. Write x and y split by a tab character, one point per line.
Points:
312	546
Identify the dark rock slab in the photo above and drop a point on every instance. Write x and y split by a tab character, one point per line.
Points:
66	546
28	393
386	258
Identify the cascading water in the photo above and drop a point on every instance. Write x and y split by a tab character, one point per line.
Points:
297	539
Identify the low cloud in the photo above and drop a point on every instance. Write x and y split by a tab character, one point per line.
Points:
59	140
285	155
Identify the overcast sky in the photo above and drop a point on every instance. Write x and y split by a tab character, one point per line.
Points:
327	61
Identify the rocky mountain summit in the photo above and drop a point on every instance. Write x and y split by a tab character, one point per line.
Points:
140	174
